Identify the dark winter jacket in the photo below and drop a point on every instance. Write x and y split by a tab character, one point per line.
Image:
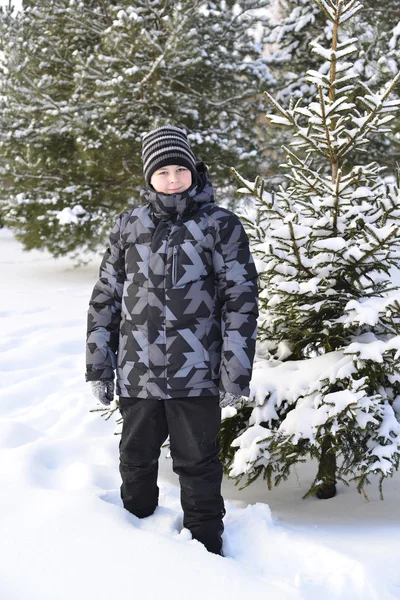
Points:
175	308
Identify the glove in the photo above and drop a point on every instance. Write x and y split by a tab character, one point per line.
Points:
228	399
103	390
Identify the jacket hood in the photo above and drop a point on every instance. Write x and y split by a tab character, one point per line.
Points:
165	206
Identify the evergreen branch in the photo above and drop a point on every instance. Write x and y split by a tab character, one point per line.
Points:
97	32
243	181
39	92
333	158
153	42
228	29
296	251
168	45
280	109
308	141
292	155
41	176
379	245
230	100
337	197
258	192
351	9
154	66
299	133
106	14
328	7
307	180
372	114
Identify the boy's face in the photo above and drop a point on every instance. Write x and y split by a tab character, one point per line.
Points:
172	179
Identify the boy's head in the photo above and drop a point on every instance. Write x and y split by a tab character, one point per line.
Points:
169	164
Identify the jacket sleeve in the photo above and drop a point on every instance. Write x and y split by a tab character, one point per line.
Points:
104	314
237	279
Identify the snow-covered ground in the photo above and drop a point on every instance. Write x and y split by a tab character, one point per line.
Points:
63	531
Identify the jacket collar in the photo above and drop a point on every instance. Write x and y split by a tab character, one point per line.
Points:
166	206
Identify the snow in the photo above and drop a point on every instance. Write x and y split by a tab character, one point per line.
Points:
373	350
287	381
362	192
367	310
276	120
63	531
70	215
248	444
335	244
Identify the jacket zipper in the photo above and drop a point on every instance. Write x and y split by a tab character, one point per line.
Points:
175	265
165	307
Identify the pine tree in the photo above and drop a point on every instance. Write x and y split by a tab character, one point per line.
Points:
326	377
81	80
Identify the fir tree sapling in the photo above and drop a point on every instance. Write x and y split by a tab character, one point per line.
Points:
326	380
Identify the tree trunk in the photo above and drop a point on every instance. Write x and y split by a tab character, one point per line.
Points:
327	470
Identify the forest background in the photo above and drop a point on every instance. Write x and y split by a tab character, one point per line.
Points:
81	81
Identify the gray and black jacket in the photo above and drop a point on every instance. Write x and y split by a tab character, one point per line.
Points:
175	308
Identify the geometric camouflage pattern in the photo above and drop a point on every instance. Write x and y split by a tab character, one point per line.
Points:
176	304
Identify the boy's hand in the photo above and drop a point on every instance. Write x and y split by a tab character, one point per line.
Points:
103	390
228	399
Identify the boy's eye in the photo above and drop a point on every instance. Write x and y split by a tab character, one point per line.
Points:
180	169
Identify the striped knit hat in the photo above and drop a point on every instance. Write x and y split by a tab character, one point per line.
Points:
167	145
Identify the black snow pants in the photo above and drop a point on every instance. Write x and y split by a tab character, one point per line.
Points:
193	425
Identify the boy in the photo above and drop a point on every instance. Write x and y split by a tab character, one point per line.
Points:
175	313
